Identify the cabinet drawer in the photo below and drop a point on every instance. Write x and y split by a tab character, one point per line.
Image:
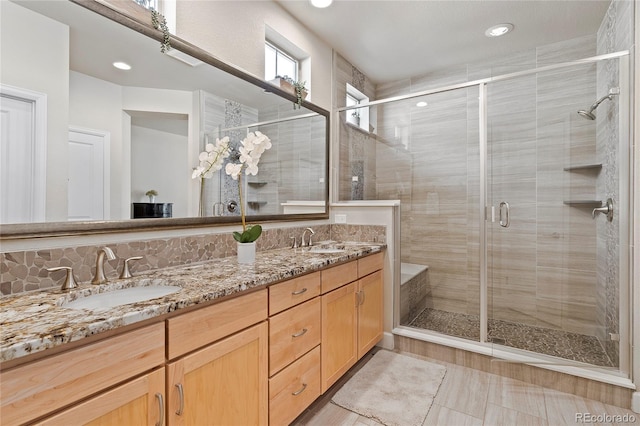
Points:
293	389
370	264
293	292
134	403
293	333
338	276
199	328
43	386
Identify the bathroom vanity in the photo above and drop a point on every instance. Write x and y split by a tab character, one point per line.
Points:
241	345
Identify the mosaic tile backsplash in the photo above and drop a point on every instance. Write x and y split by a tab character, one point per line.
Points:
27	270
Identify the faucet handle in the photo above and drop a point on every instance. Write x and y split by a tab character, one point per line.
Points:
295	242
125	269
69	281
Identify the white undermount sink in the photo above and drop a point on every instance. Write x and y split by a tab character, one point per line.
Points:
121	297
325	250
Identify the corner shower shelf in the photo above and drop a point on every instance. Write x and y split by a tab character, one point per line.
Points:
583	203
597	166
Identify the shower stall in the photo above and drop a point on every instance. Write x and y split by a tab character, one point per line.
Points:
503	171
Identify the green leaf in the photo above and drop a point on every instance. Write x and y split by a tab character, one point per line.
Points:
250	235
254	232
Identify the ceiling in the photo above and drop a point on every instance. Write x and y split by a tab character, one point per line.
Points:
396	39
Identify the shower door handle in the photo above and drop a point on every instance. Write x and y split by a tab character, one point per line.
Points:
504	206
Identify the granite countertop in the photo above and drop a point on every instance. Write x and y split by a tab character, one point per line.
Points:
36	321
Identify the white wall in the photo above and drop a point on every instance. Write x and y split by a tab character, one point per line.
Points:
234	31
97	104
100	105
154	154
41	66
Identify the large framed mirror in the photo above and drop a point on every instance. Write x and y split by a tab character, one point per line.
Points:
88	147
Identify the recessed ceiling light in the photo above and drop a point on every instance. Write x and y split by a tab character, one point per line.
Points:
122	66
421	104
498	30
321	3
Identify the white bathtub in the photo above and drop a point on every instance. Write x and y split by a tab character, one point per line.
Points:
410	270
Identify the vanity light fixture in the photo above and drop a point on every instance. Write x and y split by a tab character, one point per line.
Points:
498	30
320	4
122	66
421	104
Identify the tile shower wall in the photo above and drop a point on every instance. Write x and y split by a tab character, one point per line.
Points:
221	188
357	164
293	169
26	270
615	34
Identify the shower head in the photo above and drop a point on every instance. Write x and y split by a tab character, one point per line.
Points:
589	115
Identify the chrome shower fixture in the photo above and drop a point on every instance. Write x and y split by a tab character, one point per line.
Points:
589	115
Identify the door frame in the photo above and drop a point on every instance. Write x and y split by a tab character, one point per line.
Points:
39	100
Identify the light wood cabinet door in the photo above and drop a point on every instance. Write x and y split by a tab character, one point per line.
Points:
339	333
370	312
222	384
138	402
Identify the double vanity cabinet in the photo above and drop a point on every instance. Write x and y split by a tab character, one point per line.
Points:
259	358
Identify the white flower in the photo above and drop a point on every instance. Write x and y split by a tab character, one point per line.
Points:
233	170
252	168
211	159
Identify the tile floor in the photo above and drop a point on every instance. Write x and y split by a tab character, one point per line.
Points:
563	344
472	397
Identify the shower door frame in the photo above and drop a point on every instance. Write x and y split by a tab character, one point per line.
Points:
622	376
622	209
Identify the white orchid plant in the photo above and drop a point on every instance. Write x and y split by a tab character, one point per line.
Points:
212	158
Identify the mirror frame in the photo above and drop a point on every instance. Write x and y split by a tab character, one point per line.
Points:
137	18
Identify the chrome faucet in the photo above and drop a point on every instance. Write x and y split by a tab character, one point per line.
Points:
309	243
99	277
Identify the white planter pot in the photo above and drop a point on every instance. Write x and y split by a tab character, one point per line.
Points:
246	252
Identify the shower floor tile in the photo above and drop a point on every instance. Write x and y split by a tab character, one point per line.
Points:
563	344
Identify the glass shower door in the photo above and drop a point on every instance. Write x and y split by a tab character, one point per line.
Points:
552	262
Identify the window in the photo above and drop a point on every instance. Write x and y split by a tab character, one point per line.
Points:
148	4
359	116
278	63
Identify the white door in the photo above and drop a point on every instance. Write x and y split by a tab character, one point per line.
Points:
22	154
88	182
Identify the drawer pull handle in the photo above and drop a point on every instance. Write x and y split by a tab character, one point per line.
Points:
181	394
299	333
298	292
298	392
160	409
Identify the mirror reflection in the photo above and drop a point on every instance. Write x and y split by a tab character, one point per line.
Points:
100	125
